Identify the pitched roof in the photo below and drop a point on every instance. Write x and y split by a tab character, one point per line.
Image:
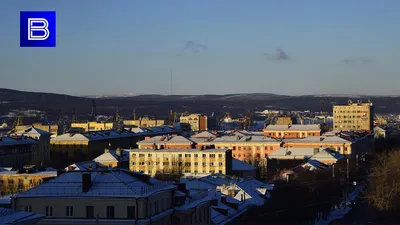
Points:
327	155
111	156
204	134
238	165
32	131
9	216
174	140
244	139
93	135
290	153
104	183
293	127
16	140
318	139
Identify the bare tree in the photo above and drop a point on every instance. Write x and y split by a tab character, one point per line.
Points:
384	192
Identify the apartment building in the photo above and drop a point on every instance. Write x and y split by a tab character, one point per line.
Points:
144	122
353	116
16	151
245	148
112	196
341	145
24	178
292	131
94	126
108	196
42	152
192	161
198	122
70	148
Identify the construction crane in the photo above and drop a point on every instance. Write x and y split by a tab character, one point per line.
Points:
18	122
247	120
171	118
380	120
299	117
134	114
94	113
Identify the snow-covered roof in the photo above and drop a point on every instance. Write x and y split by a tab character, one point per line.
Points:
204	134
93	135
9	216
243	139
238	165
169	140
111	156
327	155
16	140
104	183
37	173
293	127
318	139
84	165
290	153
32	131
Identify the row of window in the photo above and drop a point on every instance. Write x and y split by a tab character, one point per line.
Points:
180	155
348	111
248	155
69	211
250	148
179	163
20	181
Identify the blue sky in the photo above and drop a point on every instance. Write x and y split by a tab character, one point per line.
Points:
129	46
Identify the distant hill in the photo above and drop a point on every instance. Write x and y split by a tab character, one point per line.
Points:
159	105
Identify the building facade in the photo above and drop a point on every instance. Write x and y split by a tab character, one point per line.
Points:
292	131
286	120
42	152
94	126
144	122
16	151
353	116
51	128
198	122
191	161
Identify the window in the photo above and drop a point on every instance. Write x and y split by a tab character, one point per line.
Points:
220	171
110	212
131	212
258	147
266	147
179	155
204	164
271	148
196	163
89	212
149	155
141	155
234	147
28	208
204	155
69	211
219	155
239	148
187	164
212	155
220	163
196	155
49	211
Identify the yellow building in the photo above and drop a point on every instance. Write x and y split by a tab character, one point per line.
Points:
285	120
24	179
94	126
354	116
198	122
42	151
144	122
191	161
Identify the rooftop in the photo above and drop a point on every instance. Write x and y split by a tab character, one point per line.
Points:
243	139
32	131
318	139
293	127
9	216
290	153
204	134
178	150
174	140
238	165
16	140
93	135
104	183
112	156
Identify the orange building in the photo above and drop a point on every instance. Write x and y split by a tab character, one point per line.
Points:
292	131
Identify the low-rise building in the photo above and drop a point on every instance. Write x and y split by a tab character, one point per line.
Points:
25	178
94	126
51	128
198	122
286	120
292	131
192	161
144	122
109	196
114	158
42	153
16	151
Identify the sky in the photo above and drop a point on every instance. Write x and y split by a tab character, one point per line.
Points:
131	46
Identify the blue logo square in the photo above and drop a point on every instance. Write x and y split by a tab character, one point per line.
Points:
37	29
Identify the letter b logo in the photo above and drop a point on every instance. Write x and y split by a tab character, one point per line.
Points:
38	29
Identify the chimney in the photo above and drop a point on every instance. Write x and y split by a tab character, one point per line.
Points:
86	182
70	168
118	152
231	193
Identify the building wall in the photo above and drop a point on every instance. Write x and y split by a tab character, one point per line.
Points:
144	207
144	122
53	129
12	183
166	146
341	148
195	216
197	121
93	126
149	162
284	120
291	134
16	156
355	116
249	150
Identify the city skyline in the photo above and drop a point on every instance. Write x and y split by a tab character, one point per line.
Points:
211	47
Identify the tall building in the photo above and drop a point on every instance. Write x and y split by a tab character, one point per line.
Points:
198	122
353	116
